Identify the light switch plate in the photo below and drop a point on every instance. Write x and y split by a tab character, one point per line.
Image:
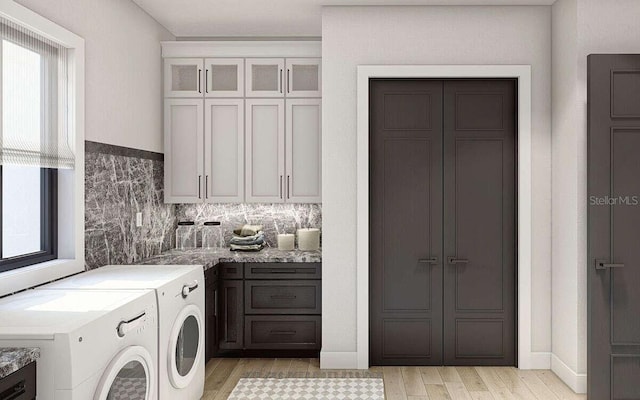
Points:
139	219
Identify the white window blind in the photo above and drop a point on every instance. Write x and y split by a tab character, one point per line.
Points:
34	105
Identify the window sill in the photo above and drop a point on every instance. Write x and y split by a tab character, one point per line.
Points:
37	274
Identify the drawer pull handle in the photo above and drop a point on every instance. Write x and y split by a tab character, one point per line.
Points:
283	297
281	271
283	332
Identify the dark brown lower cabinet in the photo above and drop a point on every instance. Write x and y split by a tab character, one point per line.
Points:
20	385
269	307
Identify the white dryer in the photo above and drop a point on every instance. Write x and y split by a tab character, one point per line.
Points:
94	345
180	295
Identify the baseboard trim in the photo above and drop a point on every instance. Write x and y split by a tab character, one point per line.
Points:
577	382
540	360
338	360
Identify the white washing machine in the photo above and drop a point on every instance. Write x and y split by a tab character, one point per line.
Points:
94	345
180	295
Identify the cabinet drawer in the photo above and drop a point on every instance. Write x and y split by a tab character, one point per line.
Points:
283	270
282	332
282	297
21	385
230	270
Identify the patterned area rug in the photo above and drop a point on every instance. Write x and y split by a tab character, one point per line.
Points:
334	388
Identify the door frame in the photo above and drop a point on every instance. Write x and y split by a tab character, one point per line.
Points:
522	73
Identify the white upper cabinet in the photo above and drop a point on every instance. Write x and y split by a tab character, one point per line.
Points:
303	149
264	77
224	77
183	77
224	150
242	121
303	77
183	156
264	148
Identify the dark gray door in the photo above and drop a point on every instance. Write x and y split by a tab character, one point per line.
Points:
614	227
479	222
406	222
431	199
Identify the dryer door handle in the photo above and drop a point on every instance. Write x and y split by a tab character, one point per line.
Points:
127	326
186	289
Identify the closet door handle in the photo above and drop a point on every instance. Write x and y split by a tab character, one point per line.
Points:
206	186
199	81
454	260
281	186
206	81
432	260
288	186
603	264
280	80
288	81
199	186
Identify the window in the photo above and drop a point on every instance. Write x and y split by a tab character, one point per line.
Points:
34	145
28	216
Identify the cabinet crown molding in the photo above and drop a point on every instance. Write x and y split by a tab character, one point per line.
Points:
253	48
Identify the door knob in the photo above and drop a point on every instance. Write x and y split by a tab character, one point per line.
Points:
454	260
432	260
603	264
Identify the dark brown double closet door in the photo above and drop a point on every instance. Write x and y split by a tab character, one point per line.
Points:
442	222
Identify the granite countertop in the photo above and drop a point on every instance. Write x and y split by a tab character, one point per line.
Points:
209	258
14	358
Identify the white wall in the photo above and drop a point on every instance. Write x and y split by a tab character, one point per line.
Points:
566	319
354	36
123	68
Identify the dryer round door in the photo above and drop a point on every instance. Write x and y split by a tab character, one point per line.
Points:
130	375
186	346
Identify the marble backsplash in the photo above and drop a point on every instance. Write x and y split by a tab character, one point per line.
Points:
276	218
120	182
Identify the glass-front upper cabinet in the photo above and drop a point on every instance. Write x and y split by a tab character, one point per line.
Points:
183	77
303	77
264	77
224	77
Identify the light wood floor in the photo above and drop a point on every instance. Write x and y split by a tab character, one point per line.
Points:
407	383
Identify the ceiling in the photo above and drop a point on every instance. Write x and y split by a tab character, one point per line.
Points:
274	18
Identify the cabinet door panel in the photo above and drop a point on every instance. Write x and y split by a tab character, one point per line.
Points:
303	180
183	140
264	151
265	77
231	322
224	151
303	77
183	77
224	77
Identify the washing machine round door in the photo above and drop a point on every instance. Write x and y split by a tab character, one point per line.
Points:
186	346
129	376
